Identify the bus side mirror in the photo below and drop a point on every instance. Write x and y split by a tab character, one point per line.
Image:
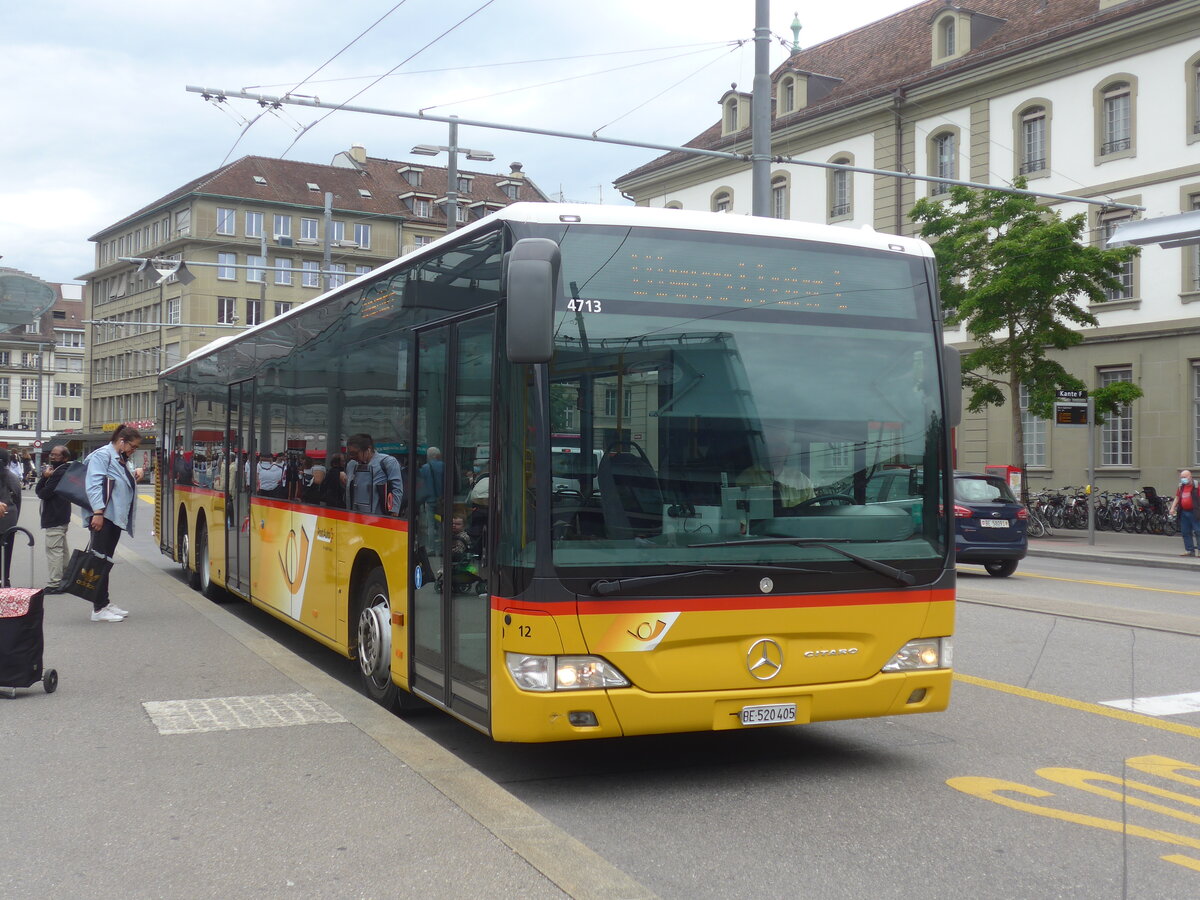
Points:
952	379
532	269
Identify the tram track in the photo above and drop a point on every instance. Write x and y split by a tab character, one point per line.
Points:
1098	613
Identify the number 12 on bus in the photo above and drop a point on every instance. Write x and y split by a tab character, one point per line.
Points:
576	472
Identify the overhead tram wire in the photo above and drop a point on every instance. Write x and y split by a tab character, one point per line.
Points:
496	65
625	142
402	62
529	87
303	81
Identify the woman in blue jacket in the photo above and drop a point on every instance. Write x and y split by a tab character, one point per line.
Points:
112	491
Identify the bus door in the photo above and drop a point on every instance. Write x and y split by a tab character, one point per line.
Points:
237	489
449	531
166	479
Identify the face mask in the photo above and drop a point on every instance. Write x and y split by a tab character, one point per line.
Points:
1184	480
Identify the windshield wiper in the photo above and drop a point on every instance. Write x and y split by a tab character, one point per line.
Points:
604	587
904	578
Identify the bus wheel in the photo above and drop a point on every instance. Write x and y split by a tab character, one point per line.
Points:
185	554
375	640
204	567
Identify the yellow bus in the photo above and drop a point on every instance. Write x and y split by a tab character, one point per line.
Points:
753	533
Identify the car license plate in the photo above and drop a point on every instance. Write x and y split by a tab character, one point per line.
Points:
774	714
993	523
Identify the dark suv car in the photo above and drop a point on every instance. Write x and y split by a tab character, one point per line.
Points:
989	523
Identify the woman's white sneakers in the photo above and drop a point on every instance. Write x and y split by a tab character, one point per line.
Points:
110	613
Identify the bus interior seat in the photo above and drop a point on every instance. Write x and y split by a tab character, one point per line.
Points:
630	495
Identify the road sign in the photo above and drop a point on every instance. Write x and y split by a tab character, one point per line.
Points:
37	445
1070	395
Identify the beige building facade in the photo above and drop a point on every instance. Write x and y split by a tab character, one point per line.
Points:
255	238
1094	99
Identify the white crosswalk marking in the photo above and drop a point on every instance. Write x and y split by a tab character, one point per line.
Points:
1166	705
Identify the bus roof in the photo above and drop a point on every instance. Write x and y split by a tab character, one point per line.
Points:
602	214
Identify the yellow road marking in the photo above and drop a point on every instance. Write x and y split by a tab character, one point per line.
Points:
1080	705
149	498
1114	584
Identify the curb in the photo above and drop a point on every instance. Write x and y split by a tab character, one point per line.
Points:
1099	556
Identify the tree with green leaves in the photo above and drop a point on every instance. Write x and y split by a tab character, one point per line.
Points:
1019	279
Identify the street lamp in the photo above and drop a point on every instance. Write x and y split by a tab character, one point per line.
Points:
452	149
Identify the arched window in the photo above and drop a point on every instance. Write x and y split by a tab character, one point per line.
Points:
1033	143
722	200
946	37
1115	109
731	115
1192	116
780	197
943	159
839	187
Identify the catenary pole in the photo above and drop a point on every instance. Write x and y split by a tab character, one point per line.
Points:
760	113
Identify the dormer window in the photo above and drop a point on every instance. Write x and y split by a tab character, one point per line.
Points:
731	115
956	31
946	37
735	111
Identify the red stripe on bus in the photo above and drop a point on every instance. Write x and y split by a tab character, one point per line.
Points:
723	604
332	513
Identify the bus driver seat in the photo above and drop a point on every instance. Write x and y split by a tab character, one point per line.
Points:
630	495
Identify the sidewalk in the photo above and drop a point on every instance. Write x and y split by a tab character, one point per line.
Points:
1118	548
186	753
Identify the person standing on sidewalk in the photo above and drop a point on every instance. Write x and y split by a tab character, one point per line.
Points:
56	515
112	490
1187	504
10	498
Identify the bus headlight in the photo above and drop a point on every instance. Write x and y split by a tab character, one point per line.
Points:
926	653
562	673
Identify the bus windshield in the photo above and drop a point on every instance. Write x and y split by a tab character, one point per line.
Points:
726	389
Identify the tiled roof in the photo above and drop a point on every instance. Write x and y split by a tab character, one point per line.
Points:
286	182
897	52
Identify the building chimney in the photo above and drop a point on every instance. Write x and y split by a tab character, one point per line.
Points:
358	153
515	170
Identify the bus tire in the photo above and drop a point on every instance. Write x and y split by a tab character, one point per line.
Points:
204	582
375	640
185	552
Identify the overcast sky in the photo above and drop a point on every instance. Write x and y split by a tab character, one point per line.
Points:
97	122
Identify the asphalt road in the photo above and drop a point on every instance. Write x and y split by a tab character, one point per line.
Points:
1016	791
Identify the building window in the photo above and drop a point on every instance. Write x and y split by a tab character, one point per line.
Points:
1195	412
29	388
337	231
254	272
946	37
413	177
31	360
337	276
283	271
722	201
731	115
3	390
511	190
1034	431
1115	104
282	226
1033	140
225	266
362	236
789	95
627	403
34	327
943	160
840	185
1108	226
610	401
1192	255
173	308
308	230
282	306
420	207
226	310
254	224
1192	118
310	274
464	184
1116	434
29	418
779	197
68	339
254	310
225	220
361	270
183	223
